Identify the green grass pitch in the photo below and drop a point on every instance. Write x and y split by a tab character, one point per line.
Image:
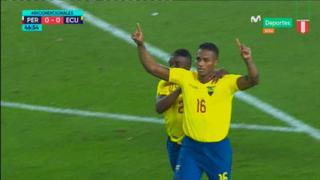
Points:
83	67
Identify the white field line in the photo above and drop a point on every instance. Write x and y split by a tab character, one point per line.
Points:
122	117
245	97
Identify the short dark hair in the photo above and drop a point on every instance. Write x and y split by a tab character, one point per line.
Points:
210	46
182	52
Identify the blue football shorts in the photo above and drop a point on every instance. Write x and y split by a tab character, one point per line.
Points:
196	158
173	150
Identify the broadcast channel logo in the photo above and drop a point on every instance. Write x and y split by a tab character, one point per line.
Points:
269	25
33	20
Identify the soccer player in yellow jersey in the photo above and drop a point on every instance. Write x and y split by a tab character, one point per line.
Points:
207	108
170	103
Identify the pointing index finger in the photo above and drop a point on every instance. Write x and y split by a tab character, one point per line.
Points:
138	27
238	42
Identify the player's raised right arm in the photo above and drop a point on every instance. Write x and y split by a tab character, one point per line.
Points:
146	59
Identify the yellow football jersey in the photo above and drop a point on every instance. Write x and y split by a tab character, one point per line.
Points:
207	107
174	115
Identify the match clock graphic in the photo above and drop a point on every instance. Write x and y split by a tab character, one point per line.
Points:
32	20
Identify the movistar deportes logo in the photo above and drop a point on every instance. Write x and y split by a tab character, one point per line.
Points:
255	19
277	23
270	24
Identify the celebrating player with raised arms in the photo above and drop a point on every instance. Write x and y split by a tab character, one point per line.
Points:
170	103
207	109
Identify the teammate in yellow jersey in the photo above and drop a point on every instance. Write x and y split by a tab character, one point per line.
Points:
170	103
207	108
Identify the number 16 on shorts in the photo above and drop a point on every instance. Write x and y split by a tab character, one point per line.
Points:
223	176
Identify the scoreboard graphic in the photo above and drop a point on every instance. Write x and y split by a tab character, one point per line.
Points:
33	20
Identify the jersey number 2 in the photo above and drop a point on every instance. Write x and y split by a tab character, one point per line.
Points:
180	107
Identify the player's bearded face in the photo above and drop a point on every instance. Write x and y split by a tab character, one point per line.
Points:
206	62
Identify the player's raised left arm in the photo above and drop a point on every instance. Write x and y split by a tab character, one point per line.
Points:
148	62
252	78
